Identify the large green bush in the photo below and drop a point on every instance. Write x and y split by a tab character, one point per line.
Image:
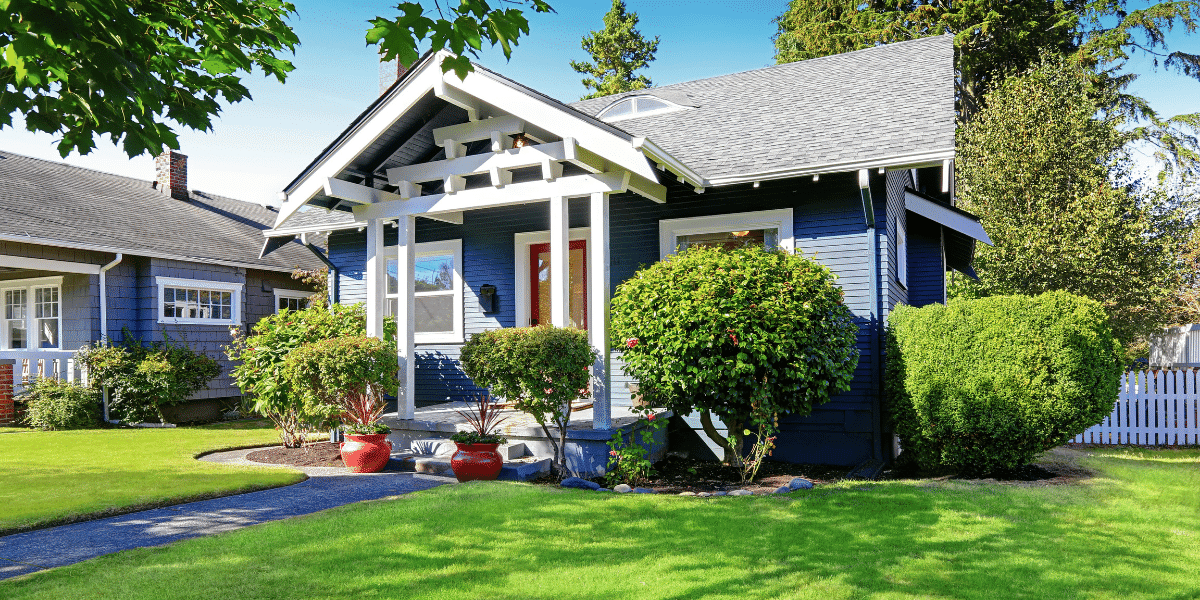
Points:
53	404
261	356
538	369
991	383
346	376
143	378
746	334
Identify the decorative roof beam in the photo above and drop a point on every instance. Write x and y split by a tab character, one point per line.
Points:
479	130
477	164
458	98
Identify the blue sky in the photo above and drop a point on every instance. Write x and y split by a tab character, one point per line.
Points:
258	146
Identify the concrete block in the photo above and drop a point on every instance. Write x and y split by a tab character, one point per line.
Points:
512	451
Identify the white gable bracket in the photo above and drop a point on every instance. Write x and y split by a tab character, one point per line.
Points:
457	98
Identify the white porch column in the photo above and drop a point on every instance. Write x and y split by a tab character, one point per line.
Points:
598	286
376	279
560	263
405	319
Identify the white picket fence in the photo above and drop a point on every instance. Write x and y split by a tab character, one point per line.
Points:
1154	408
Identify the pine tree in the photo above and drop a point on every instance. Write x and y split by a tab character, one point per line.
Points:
617	52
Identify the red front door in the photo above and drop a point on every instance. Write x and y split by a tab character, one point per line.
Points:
539	284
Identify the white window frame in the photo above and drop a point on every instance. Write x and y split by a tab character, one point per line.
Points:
521	243
670	108
203	285
283	293
669	230
454	248
901	254
29	285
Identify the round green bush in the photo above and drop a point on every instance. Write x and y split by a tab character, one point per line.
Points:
346	376
53	404
991	383
745	334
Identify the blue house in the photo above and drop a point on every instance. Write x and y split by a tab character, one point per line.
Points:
464	205
86	255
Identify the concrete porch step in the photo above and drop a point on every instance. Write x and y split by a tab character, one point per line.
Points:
523	469
445	447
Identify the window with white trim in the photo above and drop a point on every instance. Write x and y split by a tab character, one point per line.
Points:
901	254
769	228
633	107
198	302
291	300
32	313
438	291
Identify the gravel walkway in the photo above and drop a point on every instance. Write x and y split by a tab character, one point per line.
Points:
326	487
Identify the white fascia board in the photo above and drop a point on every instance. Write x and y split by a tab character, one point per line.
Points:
556	120
41	264
672	164
517	193
899	161
946	217
403	99
288	231
141	252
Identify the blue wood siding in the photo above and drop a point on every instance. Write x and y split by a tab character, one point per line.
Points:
926	267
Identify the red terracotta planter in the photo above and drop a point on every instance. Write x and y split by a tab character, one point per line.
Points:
476	461
366	453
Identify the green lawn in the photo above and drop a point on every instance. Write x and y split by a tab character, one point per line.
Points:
57	476
1131	532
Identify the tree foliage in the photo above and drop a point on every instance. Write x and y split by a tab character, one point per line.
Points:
462	31
618	51
120	68
1037	165
347	376
747	335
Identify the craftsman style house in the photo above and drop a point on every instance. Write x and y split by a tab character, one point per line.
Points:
463	205
86	255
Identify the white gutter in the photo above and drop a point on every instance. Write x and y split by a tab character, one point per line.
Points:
28	239
672	164
900	161
104	319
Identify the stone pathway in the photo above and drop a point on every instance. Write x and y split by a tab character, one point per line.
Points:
326	487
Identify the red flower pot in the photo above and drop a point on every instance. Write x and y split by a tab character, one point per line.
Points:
366	453
476	461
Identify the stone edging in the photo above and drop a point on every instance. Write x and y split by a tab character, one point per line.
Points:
798	483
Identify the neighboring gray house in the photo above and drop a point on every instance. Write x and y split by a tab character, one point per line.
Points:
1176	348
84	254
501	207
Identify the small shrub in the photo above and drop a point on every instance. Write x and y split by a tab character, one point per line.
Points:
629	455
346	376
144	378
540	370
991	383
53	404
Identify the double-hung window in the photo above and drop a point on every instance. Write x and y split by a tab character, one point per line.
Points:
438	291
291	300
769	228
32	313
198	302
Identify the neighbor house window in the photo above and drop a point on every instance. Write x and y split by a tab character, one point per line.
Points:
32	313
770	228
199	302
438	291
291	300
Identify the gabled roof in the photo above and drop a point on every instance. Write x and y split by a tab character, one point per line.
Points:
872	107
52	203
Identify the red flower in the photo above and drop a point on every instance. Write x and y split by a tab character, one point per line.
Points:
651	417
631	342
612	452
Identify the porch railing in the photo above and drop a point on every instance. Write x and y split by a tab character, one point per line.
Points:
31	364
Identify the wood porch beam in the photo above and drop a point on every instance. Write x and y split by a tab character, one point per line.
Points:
478	130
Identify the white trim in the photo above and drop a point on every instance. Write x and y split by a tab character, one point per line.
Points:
41	264
521	243
283	293
669	230
945	216
634	114
454	248
236	290
901	254
31	331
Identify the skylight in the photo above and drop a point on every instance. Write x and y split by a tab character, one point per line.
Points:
637	106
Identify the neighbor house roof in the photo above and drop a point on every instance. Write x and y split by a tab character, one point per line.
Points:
52	203
858	108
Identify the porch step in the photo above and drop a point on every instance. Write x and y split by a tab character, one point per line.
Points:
523	469
444	447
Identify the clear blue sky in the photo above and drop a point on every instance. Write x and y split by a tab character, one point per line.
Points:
258	146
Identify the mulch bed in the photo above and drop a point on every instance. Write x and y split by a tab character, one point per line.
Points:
319	454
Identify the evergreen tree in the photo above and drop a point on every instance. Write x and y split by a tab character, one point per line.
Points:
617	52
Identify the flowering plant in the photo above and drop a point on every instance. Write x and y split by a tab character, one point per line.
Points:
629	459
764	445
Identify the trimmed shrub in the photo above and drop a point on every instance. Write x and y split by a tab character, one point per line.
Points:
53	404
538	369
346	376
144	378
746	334
987	384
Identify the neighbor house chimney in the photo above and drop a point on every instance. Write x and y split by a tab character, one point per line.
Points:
389	72
170	174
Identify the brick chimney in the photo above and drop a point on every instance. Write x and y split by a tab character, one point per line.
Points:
389	72
170	174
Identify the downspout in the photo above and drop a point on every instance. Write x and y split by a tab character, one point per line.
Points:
872	239
104	319
333	270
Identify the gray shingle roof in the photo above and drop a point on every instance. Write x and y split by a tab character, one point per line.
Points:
870	104
58	204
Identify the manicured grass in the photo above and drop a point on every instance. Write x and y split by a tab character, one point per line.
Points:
1132	532
59	476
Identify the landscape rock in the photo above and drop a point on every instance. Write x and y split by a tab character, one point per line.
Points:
643	491
579	483
603	490
783	490
800	483
721	493
704	494
621	488
687	493
741	493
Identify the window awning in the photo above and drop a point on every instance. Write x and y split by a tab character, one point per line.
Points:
960	229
